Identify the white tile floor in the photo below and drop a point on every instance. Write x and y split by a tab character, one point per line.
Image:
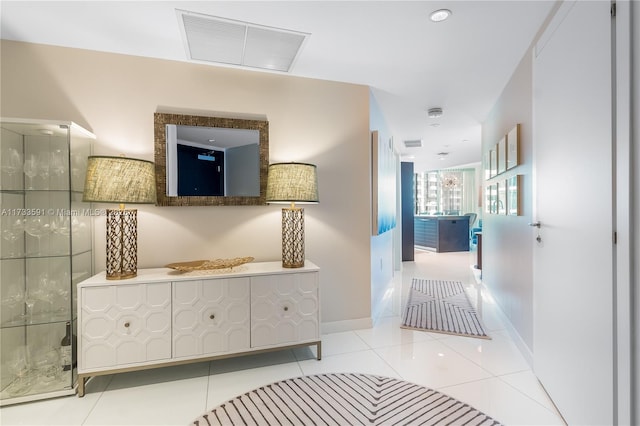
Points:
490	375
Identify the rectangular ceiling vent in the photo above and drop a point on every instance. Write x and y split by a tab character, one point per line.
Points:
417	143
224	41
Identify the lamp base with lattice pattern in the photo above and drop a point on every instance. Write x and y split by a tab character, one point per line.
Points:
293	237
122	244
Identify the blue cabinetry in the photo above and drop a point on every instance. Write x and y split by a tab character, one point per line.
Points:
442	233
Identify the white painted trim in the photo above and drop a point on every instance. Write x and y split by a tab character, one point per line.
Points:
513	332
635	206
555	22
624	292
517	340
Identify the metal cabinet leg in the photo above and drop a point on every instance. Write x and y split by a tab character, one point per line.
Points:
81	383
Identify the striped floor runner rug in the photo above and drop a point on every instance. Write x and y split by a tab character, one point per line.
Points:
344	400
442	307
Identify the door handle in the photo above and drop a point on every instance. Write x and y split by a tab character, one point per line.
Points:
537	225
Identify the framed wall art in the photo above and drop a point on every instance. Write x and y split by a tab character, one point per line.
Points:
486	165
493	162
513	145
491	198
383	177
502	155
501	203
513	195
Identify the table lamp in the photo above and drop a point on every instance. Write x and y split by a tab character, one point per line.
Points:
120	180
292	183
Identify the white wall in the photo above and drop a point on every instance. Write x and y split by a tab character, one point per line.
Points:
320	122
382	246
509	240
506	240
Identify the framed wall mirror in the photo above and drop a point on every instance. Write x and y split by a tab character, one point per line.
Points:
210	161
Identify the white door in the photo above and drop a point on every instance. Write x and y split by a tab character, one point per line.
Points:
573	267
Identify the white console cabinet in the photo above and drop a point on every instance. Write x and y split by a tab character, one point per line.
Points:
162	317
211	317
125	324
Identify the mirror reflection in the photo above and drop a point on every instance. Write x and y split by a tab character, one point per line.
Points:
214	161
203	161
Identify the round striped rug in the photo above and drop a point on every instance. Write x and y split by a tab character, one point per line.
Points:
344	399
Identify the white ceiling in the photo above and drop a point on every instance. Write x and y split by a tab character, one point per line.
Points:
411	63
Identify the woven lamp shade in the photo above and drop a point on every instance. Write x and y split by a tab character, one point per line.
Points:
292	182
120	180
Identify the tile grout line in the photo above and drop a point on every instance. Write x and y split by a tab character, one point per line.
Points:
95	404
206	393
555	411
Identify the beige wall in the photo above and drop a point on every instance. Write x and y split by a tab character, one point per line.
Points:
324	123
507	247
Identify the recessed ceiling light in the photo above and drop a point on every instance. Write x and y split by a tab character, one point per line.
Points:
434	112
440	15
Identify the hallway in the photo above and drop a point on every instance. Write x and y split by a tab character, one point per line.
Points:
490	375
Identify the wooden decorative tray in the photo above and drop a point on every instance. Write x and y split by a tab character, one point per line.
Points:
205	265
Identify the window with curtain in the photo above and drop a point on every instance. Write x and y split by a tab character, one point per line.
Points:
446	192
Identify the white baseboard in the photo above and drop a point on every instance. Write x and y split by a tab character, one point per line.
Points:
345	325
513	333
515	336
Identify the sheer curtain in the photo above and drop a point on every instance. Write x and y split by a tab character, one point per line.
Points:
447	191
469	191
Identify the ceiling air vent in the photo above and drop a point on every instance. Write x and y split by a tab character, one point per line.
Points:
417	143
224	41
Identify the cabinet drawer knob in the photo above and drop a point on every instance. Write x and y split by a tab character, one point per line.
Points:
212	316
127	324
286	308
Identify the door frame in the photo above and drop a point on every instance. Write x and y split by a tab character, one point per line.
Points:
624	225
